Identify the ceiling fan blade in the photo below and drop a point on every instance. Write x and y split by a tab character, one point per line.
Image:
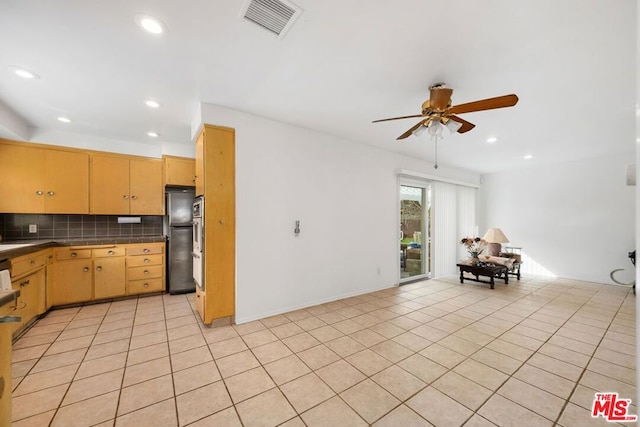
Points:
398	118
439	98
485	104
466	126
410	131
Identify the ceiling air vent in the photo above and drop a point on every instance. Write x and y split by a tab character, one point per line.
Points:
274	15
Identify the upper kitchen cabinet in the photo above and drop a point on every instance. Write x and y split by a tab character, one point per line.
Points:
42	180
179	171
124	186
67	182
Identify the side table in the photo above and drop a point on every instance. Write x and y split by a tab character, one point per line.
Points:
491	271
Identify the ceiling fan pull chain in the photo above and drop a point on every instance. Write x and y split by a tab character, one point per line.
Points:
436	165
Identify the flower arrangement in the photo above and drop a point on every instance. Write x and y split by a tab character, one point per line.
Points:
474	245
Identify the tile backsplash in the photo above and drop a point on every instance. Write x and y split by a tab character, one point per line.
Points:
63	227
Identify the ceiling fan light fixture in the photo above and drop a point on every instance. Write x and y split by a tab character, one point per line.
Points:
435	128
419	131
453	126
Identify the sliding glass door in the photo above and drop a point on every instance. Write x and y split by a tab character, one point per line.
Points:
415	230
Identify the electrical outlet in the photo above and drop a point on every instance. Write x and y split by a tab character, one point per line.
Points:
33	228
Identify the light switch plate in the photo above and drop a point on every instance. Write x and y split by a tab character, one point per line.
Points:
33	228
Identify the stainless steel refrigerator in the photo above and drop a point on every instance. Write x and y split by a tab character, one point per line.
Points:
178	227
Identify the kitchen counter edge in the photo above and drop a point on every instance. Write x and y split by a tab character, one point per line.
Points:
40	244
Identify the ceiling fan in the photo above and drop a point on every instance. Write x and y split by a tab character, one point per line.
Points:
438	111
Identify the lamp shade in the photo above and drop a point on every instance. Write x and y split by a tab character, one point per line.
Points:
495	235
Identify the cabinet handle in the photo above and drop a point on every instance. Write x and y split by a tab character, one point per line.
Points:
85	269
25	283
99	268
146	260
33	261
145	250
125	197
134	197
50	193
73	254
110	253
39	193
146	272
146	285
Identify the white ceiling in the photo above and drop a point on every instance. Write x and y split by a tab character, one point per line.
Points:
343	64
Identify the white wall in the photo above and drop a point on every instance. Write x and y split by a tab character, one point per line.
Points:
89	142
344	194
574	220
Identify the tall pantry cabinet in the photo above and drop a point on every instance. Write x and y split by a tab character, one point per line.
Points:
215	180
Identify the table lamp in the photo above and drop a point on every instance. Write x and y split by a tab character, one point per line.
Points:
495	237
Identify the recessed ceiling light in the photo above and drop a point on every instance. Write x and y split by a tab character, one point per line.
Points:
152	134
24	73
151	103
528	156
492	139
150	24
64	120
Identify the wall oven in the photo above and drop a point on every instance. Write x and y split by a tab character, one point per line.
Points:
198	242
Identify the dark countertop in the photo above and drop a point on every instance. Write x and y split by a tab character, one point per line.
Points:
12	249
7	297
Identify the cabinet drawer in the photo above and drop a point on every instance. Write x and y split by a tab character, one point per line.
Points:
139	261
150	272
142	286
108	252
24	264
71	253
146	249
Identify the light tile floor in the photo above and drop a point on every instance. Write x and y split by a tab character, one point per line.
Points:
430	353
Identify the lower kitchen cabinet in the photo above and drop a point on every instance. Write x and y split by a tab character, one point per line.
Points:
71	281
29	277
88	273
145	268
109	277
109	272
5	373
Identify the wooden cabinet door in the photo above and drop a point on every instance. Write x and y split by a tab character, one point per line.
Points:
5	373
109	277
146	189
71	281
179	171
31	288
109	188
67	182
22	178
199	167
219	214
